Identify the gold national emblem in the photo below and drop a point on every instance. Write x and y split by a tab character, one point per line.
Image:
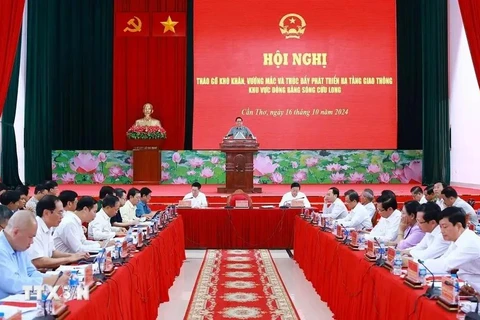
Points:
135	23
292	26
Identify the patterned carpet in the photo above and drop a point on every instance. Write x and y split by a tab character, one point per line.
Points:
239	284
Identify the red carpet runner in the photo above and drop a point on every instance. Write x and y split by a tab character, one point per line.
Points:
239	284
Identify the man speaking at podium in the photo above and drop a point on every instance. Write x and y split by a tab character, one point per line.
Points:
239	131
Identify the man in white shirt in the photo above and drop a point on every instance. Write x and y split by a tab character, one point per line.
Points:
417	194
366	199
100	228
40	192
197	198
429	193
432	245
437	190
387	228
69	236
69	200
41	252
334	206
358	217
451	199
128	211
52	187
294	194
464	251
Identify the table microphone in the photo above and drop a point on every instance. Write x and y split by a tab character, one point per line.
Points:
380	261
432	292
473	315
346	241
47	316
284	205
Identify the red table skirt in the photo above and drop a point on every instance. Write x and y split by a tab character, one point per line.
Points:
138	287
239	228
354	288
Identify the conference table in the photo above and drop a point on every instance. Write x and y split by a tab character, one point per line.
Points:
137	288
252	228
354	288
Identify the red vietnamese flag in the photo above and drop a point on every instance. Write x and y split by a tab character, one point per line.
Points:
132	24
169	24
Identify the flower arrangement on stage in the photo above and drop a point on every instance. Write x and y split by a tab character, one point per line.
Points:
146	132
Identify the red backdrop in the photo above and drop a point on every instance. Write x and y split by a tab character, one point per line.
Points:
231	39
150	69
470	12
11	16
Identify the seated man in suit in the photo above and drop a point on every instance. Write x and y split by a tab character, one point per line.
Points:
238	195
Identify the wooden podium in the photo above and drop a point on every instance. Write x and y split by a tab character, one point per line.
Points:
239	165
147	165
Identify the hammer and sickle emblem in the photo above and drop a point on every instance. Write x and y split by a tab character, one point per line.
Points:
135	23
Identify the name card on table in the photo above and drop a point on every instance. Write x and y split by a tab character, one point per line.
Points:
412	272
139	239
109	263
242	204
390	255
321	221
185	203
371	252
339	232
448	293
354	238
297	203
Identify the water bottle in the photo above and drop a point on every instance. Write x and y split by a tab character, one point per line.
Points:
477	229
118	249
422	274
72	285
397	263
456	296
44	305
361	241
334	227
135	238
100	261
129	236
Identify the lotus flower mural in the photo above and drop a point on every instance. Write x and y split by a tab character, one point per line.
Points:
270	167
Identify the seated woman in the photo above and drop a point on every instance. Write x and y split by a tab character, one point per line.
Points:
409	232
238	195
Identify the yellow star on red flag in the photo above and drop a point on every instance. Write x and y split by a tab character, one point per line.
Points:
169	25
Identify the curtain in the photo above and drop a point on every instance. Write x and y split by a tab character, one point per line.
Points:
436	131
68	102
470	10
409	68
11	14
150	69
9	150
189	87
